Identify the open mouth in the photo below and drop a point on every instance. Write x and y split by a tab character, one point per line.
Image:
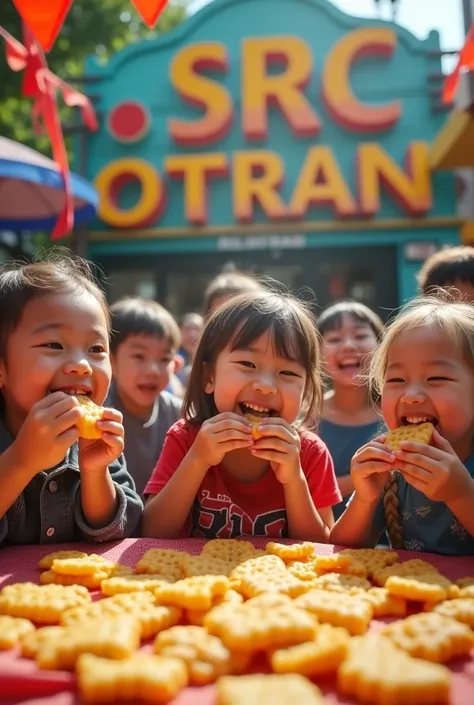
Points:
148	388
352	366
255	410
73	391
418	420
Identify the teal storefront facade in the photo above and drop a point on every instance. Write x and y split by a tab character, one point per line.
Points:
281	136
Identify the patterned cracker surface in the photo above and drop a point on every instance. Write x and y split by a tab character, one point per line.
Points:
464	588
262	565
131	583
114	638
88	423
258	583
195	593
161	561
31	643
372	558
228	550
431	636
419	434
431	587
43	604
384	604
376	672
291	552
338	609
196	617
12	630
342	582
91	582
260	624
88	565
255	421
273	689
205	565
46	563
410	568
205	655
320	656
148	679
302	570
461	609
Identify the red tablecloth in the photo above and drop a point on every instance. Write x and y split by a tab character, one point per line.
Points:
22	682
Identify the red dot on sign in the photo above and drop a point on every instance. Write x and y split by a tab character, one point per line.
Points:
129	121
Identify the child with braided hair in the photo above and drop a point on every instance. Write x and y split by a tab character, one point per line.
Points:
422	494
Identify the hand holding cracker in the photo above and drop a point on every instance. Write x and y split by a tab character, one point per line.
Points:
97	453
219	435
370	469
48	431
433	469
279	443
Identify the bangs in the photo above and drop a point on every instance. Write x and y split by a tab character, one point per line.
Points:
292	347
333	318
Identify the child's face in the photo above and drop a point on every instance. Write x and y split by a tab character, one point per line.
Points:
142	368
60	344
428	379
346	350
259	378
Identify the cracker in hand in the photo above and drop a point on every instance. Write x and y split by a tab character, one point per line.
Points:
88	423
418	434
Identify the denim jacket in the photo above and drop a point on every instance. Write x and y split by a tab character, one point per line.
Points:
49	509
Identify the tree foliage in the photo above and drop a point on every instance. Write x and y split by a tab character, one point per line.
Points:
100	27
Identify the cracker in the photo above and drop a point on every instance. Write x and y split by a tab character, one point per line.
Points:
410	568
113	638
332	563
460	609
260	624
153	618
302	570
46	563
86	565
262	565
195	593
372	558
131	583
161	561
255	421
43	604
338	609
228	550
205	565
376	672
431	636
205	655
196	617
431	587
148	679
87	425
291	552
321	656
91	582
257	583
342	582
272	689
12	630
464	588
32	642
384	604
419	434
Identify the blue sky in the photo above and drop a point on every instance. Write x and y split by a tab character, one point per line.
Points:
419	16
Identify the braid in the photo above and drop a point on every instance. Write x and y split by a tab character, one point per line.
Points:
391	506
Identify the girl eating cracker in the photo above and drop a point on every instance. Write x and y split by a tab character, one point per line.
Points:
258	356
422	493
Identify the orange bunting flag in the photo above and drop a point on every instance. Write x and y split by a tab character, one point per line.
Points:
465	61
45	18
150	10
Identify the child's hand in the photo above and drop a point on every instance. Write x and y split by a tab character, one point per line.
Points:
280	444
370	469
434	469
47	432
221	434
97	455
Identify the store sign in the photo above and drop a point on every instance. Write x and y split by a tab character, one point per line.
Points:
234	243
254	175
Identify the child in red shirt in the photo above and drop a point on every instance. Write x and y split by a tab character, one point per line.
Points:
259	356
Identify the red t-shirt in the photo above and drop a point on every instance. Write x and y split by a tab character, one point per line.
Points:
225	507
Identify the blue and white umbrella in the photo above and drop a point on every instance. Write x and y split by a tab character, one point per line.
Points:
32	190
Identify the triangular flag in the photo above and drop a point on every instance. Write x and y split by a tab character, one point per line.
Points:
465	61
150	10
45	18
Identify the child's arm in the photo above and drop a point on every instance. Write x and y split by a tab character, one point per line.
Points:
13	479
182	467
304	520
354	527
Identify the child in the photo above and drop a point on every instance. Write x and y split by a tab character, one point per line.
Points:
143	348
350	416
452	267
190	330
424	369
258	356
54	344
224	286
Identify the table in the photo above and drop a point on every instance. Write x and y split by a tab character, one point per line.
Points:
21	682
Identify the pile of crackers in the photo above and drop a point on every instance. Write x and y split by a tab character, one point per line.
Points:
263	625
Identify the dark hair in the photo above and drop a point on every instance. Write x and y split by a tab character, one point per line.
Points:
445	268
332	317
229	284
241	321
137	316
55	272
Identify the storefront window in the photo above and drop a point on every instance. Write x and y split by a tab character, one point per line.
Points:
131	282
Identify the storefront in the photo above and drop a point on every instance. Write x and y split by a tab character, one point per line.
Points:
282	136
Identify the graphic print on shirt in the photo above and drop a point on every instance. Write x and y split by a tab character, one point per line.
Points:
219	517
